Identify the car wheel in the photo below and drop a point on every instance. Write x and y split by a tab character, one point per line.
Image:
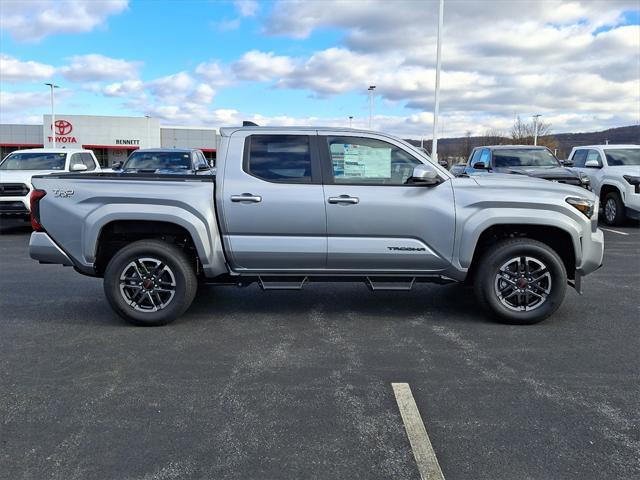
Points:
613	209
150	282
522	281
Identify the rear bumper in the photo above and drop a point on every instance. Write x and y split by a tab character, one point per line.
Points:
43	249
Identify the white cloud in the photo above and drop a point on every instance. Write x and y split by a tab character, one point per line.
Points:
32	20
261	66
247	8
96	67
121	89
14	70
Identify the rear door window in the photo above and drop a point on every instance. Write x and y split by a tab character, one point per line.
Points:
279	158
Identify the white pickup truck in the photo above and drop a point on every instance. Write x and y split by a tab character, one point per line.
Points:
614	174
18	167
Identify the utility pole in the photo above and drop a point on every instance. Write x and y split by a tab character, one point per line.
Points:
535	128
53	114
436	110
371	89
350	121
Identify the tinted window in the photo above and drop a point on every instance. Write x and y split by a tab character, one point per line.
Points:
369	161
579	158
280	158
524	157
475	156
34	161
626	156
200	160
88	161
158	161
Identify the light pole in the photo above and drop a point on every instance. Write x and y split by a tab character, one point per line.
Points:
148	133
53	114
350	121
371	89
436	108
535	128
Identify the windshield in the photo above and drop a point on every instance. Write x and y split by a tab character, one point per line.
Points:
524	157
34	161
626	156
158	161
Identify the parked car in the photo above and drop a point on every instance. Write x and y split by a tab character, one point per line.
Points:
530	160
166	161
292	205
614	172
18	167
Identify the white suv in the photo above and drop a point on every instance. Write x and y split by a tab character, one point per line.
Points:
18	167
614	171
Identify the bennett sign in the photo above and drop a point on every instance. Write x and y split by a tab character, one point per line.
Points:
62	130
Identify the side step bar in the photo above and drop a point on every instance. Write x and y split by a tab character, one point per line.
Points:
294	283
381	283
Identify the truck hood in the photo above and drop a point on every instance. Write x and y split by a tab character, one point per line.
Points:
501	181
633	170
163	171
22	176
549	173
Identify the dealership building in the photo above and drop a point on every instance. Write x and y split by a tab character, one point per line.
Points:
110	138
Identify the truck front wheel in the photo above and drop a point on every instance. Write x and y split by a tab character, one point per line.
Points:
150	282
522	281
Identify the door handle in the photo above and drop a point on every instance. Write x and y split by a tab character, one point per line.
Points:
246	197
344	199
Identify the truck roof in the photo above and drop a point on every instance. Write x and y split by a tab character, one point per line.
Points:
611	145
51	150
503	147
226	131
168	149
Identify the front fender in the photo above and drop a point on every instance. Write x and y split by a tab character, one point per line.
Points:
470	230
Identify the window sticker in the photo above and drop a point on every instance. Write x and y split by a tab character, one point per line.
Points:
360	161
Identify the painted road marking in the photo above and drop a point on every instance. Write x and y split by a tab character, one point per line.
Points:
428	465
614	231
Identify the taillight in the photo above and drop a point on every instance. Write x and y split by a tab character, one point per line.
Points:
34	201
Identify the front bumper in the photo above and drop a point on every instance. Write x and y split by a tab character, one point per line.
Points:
14	206
592	255
43	249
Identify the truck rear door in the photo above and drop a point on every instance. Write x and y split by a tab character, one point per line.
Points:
273	210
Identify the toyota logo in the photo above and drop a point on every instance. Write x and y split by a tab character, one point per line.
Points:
63	127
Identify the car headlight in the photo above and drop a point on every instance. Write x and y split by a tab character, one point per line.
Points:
584	205
633	180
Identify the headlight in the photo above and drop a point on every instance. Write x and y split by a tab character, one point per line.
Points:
584	205
632	180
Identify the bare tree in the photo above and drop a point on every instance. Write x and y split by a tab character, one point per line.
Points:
522	133
494	136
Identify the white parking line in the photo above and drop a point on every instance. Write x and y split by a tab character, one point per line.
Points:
428	465
613	231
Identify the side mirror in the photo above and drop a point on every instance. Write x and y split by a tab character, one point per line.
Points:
78	167
424	176
566	163
116	166
443	163
202	168
592	164
480	166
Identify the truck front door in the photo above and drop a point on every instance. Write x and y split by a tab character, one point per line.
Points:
376	222
272	201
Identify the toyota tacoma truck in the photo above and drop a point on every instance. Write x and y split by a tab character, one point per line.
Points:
18	167
289	206
614	171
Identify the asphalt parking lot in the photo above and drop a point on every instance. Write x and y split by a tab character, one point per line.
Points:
297	385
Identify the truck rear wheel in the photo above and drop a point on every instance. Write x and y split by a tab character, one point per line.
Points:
150	283
522	281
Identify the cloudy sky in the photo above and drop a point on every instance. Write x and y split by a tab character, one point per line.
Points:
310	62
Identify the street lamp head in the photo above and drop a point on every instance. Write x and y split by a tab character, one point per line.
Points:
371	87
52	85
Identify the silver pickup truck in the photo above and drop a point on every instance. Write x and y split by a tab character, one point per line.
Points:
292	205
